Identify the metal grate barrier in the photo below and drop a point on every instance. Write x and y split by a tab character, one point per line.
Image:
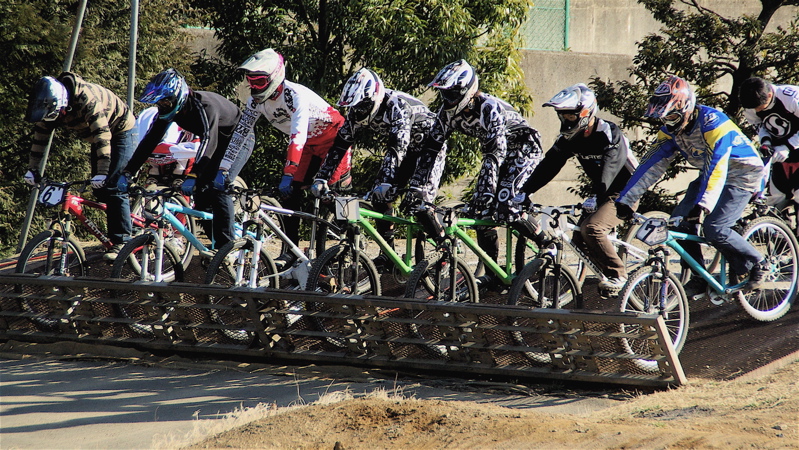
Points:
363	331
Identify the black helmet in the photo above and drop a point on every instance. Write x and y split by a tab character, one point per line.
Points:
47	100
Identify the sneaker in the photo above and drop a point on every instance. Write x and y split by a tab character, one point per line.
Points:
382	263
111	253
613	283
285	261
487	283
695	286
757	276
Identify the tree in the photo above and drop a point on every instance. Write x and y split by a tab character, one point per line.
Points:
715	54
34	39
406	43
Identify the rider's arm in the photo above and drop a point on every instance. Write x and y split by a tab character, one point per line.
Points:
548	168
400	118
239	138
300	121
655	163
345	137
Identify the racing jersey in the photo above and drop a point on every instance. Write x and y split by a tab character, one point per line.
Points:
714	145
296	111
210	117
604	155
95	114
778	123
402	117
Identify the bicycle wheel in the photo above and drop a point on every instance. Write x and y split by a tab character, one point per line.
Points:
534	287
178	243
775	241
44	255
232	266
640	295
137	259
136	262
445	279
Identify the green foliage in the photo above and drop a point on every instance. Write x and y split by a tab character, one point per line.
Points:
715	54
34	40
406	43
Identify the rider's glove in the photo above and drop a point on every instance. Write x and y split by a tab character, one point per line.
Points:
384	192
696	214
766	151
187	187
221	181
482	206
285	187
319	188
98	181
623	212
32	177
123	182
589	205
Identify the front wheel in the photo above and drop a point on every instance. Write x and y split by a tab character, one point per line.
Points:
445	279
236	265
540	285
775	241
647	292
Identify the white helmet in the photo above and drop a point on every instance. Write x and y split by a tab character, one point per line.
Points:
47	100
457	84
363	93
577	100
265	71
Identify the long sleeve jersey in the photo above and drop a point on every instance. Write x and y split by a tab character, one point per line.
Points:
210	117
604	155
94	113
780	122
298	112
404	119
714	145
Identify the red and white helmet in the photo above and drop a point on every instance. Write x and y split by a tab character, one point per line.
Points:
265	72
673	103
457	83
576	106
363	94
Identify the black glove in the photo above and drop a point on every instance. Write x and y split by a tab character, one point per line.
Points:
623	211
695	214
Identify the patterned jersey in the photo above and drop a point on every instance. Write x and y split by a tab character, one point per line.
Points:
780	122
298	112
94	113
604	155
714	145
402	117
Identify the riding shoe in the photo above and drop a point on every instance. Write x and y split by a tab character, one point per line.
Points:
695	286
757	276
382	263
112	253
285	261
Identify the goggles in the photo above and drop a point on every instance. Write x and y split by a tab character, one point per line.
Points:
671	119
451	96
258	82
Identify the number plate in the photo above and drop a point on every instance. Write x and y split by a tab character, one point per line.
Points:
653	232
52	195
347	208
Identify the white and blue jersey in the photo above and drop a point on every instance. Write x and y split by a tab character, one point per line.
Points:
714	145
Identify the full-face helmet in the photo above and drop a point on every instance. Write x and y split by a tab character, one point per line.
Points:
362	94
265	71
673	103
457	83
168	91
576	107
48	98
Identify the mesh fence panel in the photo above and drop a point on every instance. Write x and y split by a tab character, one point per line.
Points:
545	28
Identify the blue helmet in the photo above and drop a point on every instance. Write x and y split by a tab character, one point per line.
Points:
168	91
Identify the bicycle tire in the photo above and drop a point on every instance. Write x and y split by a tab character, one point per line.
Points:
534	286
334	264
128	266
430	280
178	242
775	241
233	258
642	287
40	256
130	261
422	323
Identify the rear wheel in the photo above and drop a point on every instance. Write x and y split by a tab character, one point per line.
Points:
775	241
536	287
641	295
